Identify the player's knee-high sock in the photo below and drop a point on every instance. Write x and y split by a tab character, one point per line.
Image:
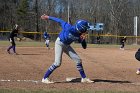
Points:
9	48
49	71
81	70
14	49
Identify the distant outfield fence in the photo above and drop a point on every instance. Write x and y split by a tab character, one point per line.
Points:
91	38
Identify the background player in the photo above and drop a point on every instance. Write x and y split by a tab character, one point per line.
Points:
137	56
122	41
68	34
47	39
13	34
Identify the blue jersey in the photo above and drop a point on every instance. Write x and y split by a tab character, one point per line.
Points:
68	33
46	35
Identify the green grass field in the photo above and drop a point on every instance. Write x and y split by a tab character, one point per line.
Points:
41	44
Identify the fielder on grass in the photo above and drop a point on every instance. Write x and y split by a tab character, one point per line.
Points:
68	34
47	39
122	42
13	33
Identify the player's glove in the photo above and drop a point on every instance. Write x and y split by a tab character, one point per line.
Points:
19	39
137	55
23	38
84	44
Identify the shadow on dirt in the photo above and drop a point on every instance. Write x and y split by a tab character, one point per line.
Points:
78	80
111	81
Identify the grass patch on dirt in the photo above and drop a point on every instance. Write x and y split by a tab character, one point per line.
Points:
76	45
23	44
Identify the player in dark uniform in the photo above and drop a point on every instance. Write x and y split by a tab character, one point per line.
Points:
122	41
13	34
137	56
98	40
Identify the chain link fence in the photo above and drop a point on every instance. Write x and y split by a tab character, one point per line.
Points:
92	39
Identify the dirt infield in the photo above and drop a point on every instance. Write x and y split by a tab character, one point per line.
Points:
111	69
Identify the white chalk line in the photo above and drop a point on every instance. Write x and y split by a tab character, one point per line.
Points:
33	81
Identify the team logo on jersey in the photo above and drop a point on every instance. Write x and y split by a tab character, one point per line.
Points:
74	38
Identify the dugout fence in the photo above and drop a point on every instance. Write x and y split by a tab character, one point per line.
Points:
91	38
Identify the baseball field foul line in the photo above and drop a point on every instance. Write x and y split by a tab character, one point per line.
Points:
33	81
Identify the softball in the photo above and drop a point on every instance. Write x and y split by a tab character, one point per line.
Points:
138	72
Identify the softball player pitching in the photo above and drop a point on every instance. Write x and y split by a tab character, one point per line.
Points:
68	34
47	39
13	34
